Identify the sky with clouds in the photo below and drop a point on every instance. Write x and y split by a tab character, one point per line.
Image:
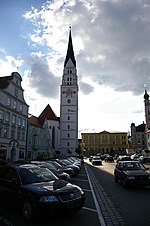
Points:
111	45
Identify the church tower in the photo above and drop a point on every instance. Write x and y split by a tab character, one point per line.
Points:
147	109
69	104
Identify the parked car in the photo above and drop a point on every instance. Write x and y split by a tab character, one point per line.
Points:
60	174
131	173
37	190
146	160
136	157
3	162
96	160
123	158
109	158
66	163
62	168
74	161
90	158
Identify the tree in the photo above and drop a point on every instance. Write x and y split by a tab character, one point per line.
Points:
78	150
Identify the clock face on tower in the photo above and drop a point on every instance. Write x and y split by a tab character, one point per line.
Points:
69	92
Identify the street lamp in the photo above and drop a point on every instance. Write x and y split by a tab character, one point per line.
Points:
82	131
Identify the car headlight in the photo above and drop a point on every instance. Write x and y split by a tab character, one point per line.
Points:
131	177
50	198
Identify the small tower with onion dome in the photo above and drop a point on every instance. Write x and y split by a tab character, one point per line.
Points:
147	109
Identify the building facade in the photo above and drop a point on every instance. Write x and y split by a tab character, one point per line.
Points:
138	137
13	118
53	123
69	104
43	135
105	142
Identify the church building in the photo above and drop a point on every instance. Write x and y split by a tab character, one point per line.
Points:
69	104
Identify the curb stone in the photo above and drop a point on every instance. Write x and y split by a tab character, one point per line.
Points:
110	213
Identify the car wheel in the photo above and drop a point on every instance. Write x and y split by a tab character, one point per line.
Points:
124	183
28	210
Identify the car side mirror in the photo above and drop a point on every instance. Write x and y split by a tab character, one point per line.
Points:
120	167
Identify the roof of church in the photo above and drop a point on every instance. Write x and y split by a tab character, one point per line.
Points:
141	128
47	113
34	120
70	52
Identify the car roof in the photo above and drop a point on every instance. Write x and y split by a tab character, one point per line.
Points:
28	165
129	161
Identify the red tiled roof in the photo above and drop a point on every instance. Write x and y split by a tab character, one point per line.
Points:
47	113
34	121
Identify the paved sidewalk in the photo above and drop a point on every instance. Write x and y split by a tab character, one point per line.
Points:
110	214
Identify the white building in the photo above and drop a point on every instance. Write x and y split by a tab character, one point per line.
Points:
138	137
43	135
69	104
13	118
53	129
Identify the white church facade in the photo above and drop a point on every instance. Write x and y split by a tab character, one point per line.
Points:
69	104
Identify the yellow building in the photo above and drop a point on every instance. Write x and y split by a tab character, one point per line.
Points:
105	142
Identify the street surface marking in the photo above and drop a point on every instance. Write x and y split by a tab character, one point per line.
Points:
100	216
92	210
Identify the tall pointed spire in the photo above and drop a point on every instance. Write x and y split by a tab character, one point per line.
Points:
70	52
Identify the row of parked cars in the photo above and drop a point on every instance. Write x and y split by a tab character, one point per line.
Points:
42	186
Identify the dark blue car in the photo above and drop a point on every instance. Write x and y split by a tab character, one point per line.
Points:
36	190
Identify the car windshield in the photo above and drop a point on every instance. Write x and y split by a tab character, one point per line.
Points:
51	165
36	174
96	157
133	166
56	164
